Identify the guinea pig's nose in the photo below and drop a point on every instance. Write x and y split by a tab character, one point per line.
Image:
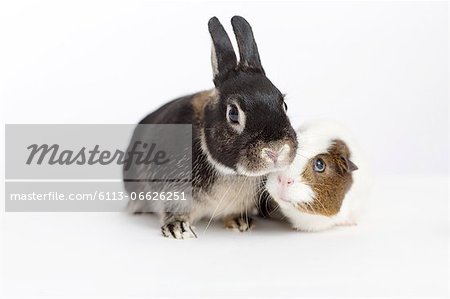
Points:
285	181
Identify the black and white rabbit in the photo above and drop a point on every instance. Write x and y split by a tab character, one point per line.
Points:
240	133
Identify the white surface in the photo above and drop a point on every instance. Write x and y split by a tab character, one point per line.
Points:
401	249
379	67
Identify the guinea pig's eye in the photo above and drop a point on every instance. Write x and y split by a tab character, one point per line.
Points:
319	165
233	114
285	106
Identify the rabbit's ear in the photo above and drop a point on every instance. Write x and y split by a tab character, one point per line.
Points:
249	56
223	58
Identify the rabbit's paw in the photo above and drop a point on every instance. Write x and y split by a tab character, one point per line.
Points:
239	223
178	230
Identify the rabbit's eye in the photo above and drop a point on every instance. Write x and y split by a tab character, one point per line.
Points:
285	106
319	165
233	114
235	117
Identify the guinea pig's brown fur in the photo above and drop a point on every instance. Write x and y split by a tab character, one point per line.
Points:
331	185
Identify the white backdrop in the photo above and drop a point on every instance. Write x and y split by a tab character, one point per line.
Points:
381	68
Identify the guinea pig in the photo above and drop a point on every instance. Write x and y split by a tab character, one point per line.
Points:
327	183
240	133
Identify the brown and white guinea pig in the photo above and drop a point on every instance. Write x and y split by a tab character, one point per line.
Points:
240	133
328	181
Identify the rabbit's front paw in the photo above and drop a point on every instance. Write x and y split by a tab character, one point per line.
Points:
178	230
239	223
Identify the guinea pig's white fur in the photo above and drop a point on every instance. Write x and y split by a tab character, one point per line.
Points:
315	138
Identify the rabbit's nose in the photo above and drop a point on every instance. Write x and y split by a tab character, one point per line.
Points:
280	156
272	155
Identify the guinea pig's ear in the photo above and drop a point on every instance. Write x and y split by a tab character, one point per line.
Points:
347	165
248	51
223	58
352	166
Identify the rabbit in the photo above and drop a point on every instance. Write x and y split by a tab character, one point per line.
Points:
326	185
240	133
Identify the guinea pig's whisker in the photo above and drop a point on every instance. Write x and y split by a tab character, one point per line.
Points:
306	152
257	200
310	207
283	217
274	210
298	154
325	209
323	184
266	202
261	194
300	206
